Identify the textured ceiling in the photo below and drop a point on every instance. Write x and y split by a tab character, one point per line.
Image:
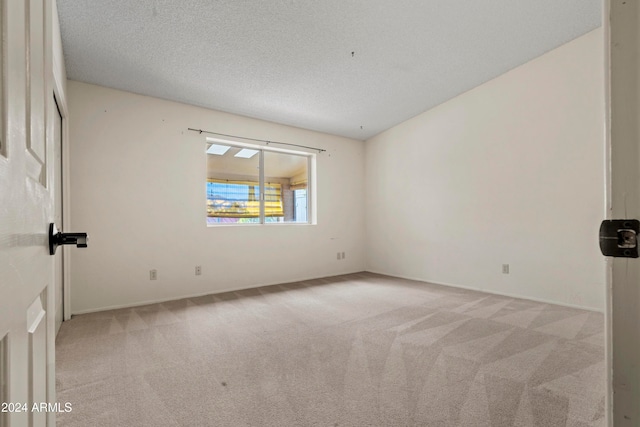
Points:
345	67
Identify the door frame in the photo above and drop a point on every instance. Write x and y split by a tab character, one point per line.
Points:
608	311
621	21
60	91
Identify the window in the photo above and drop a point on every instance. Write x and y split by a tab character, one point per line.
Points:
251	184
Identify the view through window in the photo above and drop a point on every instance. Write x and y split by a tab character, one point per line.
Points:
249	184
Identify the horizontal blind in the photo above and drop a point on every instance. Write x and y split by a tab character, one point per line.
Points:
241	199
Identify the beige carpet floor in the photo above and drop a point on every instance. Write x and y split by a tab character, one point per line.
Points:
355	350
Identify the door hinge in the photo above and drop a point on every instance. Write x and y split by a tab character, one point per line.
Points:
619	237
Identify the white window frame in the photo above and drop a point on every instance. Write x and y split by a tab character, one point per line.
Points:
311	182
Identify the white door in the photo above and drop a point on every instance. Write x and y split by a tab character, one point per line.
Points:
27	293
623	18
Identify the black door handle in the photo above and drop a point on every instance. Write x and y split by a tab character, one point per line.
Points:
57	238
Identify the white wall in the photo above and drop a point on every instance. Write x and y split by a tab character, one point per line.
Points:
138	188
509	172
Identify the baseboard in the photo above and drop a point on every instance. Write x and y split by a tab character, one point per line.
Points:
488	291
242	288
221	291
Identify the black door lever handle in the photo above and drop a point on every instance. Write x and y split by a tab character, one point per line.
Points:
57	238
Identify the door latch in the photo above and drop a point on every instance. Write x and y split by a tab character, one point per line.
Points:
57	238
619	238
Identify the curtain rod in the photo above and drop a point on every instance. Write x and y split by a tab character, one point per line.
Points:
320	150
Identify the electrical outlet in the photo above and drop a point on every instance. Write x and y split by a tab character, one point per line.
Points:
342	255
505	268
153	274
198	270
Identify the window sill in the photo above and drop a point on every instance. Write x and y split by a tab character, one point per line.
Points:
273	224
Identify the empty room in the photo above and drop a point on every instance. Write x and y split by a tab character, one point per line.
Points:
329	213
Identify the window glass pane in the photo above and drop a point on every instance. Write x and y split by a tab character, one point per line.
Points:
233	187
286	187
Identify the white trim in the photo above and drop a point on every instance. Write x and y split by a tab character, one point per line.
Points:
60	91
608	197
262	188
312	191
266	224
311	180
222	291
258	147
243	288
504	294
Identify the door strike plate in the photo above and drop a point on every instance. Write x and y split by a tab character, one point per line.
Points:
619	238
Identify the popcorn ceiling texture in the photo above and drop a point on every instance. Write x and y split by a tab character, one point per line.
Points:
351	68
